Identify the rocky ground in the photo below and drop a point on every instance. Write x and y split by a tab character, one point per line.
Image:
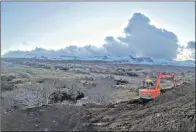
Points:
109	103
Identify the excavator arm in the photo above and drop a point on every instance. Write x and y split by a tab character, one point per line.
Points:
165	76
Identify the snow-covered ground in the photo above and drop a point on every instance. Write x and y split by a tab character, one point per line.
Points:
39	53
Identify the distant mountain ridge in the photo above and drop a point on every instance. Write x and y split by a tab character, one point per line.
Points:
40	53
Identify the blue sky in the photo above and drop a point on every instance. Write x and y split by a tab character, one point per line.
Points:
55	25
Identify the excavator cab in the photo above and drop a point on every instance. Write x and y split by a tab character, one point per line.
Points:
151	89
148	83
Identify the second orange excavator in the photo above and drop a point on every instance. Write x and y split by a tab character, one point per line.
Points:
151	89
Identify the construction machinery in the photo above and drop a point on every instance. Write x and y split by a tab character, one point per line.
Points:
151	89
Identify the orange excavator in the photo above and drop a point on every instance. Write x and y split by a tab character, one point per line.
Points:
151	89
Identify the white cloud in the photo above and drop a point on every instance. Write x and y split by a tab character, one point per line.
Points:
187	52
191	45
140	38
144	39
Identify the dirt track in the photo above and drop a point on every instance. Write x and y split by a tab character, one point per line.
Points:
172	111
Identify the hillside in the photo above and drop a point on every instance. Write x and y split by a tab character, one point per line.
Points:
172	111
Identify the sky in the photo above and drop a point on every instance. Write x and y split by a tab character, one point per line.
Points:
56	25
